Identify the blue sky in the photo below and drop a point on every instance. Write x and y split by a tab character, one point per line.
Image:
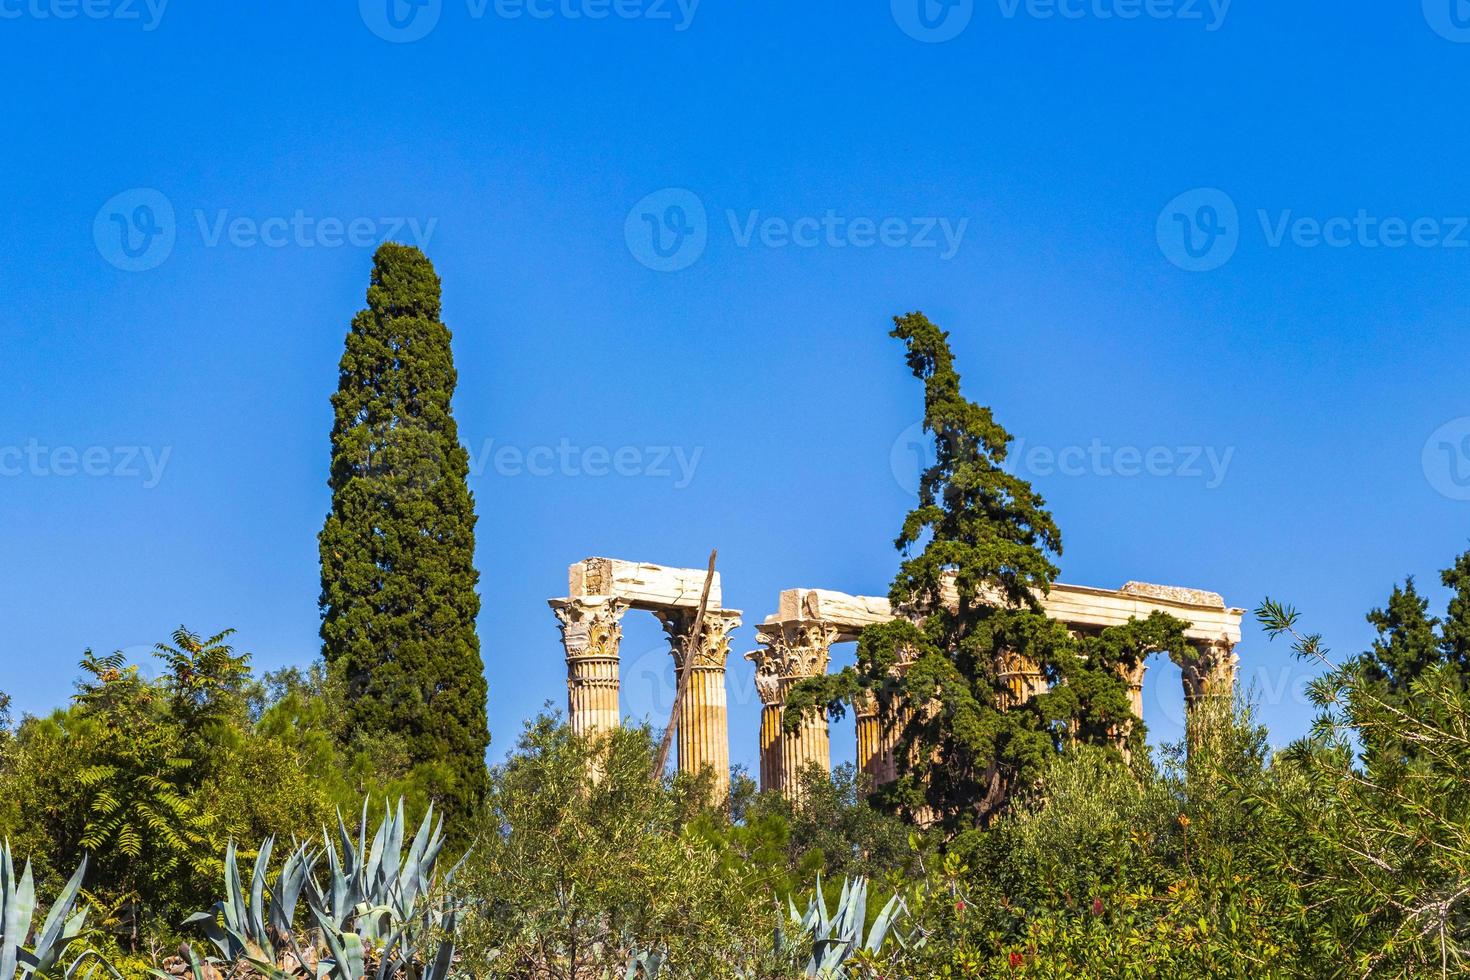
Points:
1275	405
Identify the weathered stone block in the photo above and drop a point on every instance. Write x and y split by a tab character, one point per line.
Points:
641	585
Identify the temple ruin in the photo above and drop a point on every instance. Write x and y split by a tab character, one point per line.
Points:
796	642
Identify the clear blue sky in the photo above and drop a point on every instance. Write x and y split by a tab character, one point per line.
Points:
1316	374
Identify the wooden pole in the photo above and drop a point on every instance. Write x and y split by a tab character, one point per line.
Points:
681	684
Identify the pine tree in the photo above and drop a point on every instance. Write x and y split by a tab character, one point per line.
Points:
1410	646
399	596
974	621
1407	643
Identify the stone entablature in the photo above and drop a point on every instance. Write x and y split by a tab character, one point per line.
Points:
796	643
1081	607
1214	631
641	585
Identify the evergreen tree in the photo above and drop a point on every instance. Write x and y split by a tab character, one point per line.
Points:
397	551
1410	645
974	621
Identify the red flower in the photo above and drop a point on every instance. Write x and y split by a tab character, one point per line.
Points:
1097	906
1016	960
960	905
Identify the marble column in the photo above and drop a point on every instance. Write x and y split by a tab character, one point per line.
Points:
878	732
1132	675
870	754
790	652
591	630
704	715
1208	677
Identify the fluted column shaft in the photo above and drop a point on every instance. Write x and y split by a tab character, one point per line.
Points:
772	718
704	727
791	651
1132	675
810	744
703	737
869	738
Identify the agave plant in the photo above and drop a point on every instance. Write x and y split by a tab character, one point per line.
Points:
644	966
45	958
252	925
833	939
381	911
372	887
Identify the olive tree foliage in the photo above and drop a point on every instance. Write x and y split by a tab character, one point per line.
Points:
1188	867
1389	750
583	863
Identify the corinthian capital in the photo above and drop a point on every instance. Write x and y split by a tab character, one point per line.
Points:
591	626
790	651
1211	671
713	646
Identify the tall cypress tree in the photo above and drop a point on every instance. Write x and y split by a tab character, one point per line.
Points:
397	551
978	553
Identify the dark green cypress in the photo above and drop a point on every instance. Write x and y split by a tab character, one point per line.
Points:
962	756
399	596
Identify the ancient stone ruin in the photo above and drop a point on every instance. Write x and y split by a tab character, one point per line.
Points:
795	643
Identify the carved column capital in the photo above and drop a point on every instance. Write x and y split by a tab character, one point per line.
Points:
1211	671
1022	678
1133	673
591	626
591	630
790	651
713	647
